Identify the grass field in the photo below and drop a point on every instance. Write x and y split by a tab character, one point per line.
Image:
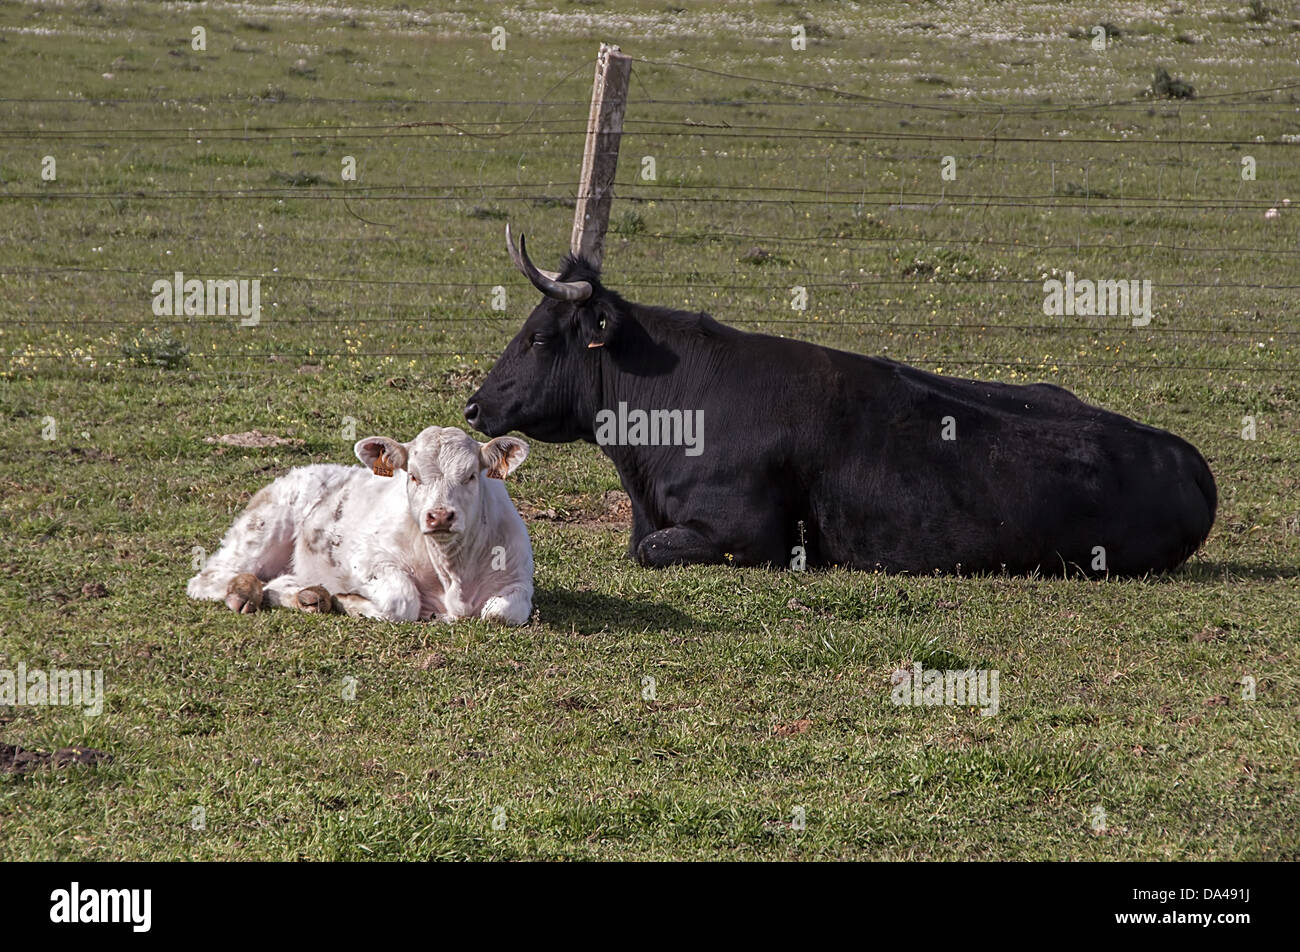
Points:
1123	730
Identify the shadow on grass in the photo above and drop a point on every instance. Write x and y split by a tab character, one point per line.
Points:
590	612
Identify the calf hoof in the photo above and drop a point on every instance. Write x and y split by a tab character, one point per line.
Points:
315	599
350	603
244	593
504	612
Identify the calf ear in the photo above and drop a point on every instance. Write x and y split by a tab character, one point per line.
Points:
381	454
502	456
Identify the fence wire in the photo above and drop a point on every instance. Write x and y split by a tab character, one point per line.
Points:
872	178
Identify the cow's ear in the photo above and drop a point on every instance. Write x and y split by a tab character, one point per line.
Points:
502	456
604	321
381	454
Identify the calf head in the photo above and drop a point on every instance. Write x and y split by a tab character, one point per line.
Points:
444	468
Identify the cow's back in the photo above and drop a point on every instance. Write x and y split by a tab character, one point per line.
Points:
936	472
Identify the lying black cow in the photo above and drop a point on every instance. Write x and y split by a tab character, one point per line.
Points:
863	462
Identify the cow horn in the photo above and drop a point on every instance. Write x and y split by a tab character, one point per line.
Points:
545	281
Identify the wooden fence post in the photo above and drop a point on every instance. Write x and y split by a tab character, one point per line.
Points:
600	155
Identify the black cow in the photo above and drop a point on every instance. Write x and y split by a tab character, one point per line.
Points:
863	462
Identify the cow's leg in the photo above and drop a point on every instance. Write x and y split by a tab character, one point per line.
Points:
641	526
511	607
389	596
677	545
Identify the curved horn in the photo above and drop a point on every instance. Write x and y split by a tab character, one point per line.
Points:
545	281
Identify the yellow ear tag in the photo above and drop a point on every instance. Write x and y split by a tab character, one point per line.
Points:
382	466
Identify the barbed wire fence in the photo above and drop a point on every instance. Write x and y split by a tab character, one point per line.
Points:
860	146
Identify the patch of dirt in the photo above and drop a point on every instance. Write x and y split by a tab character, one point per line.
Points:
617	509
1167	711
94	590
433	661
678	706
10	486
532	514
54	594
17	760
575	702
460	378
253	439
89	454
801	726
961	741
609	510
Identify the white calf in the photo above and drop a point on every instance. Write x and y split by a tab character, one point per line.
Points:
421	534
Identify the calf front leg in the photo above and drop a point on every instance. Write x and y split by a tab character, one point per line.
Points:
244	593
290	591
511	607
390	596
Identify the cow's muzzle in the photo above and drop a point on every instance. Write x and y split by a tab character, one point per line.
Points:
440	520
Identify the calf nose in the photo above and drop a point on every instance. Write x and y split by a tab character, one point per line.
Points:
439	518
471	414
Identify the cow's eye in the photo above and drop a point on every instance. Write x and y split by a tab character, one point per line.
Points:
415	479
538	340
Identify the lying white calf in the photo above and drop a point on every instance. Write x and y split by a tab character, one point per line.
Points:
421	534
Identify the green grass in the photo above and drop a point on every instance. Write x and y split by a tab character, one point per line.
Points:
1118	696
